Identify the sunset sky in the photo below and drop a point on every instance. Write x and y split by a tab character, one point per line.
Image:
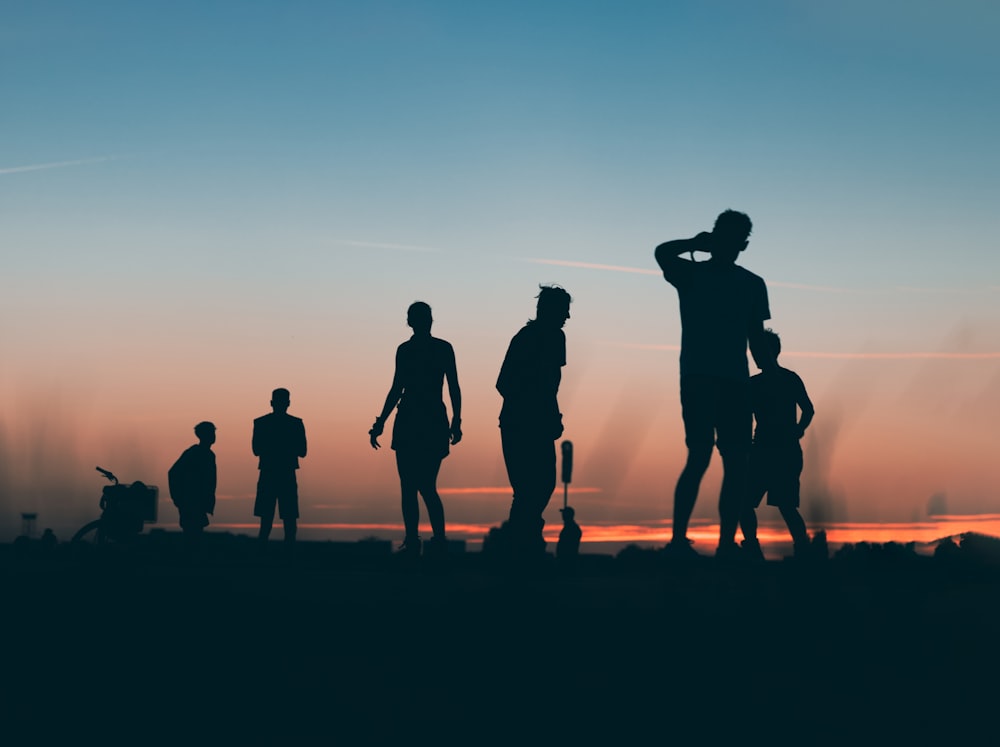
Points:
200	202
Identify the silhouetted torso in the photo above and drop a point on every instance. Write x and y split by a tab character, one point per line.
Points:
192	482
774	396
530	375
719	304
279	439
421	418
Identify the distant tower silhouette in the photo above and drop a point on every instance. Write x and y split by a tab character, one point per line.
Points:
28	524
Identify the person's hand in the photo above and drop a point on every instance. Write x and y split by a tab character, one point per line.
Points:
703	242
375	432
456	431
801	431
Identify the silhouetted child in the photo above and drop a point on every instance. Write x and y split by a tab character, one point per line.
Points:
776	395
192	481
568	546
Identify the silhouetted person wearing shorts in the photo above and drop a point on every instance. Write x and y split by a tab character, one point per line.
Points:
279	440
776	396
530	421
421	434
192	480
723	307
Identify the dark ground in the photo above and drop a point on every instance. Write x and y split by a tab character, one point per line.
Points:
345	644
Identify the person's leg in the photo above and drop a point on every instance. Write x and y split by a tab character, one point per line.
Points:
734	425
264	507
796	525
288	504
698	412
408	467
686	492
531	469
427	485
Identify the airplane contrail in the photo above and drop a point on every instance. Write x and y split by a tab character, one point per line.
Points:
918	355
55	165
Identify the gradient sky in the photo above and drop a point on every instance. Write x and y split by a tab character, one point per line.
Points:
200	202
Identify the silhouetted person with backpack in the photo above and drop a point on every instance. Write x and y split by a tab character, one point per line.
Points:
530	420
421	433
279	441
191	481
723	308
777	395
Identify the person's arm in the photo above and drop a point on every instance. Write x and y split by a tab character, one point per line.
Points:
756	341
806	406
391	400
255	441
302	439
668	254
455	393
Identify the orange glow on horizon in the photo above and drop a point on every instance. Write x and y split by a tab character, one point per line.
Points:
704	534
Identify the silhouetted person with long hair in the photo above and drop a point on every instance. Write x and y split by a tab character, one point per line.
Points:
776	396
421	434
723	307
279	441
192	480
530	420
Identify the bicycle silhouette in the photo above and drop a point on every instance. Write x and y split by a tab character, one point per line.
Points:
124	511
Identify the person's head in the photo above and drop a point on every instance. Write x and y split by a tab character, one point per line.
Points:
766	352
730	235
280	399
418	317
205	431
553	305
567	513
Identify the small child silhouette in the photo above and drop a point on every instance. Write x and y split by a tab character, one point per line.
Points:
776	395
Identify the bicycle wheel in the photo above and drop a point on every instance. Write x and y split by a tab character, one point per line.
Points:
90	534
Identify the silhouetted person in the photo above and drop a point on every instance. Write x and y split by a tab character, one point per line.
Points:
777	395
279	440
191	481
421	434
723	308
570	535
48	539
530	421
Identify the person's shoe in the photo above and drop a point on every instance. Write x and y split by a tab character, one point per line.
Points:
728	552
436	547
410	548
680	549
752	551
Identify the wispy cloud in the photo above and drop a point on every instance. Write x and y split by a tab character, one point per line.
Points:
918	355
770	283
649	271
55	165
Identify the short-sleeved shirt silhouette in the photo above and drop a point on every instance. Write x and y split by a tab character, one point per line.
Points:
279	439
421	423
719	305
774	397
529	378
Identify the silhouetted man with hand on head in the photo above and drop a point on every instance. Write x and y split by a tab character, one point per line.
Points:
279	440
530	421
723	308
